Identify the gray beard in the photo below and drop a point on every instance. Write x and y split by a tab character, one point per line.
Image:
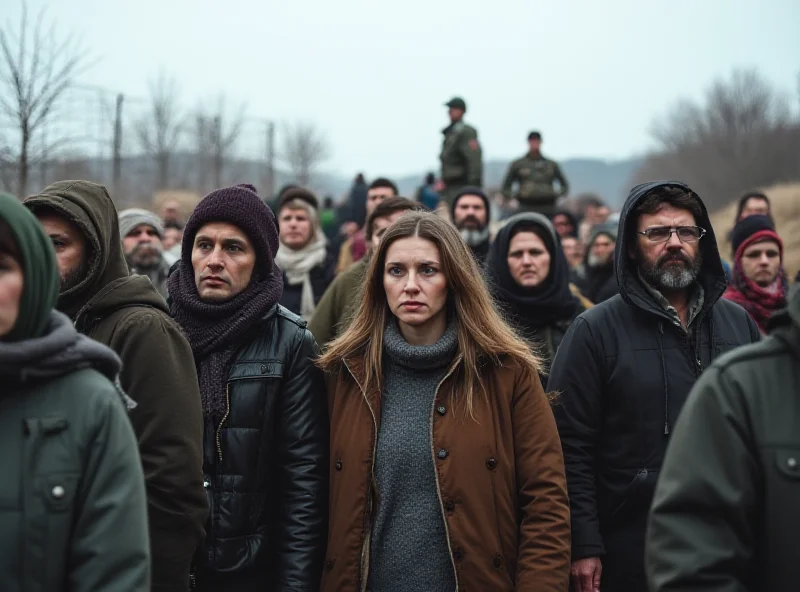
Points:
475	237
672	277
595	261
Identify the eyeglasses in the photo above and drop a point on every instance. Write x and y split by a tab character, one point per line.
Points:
662	234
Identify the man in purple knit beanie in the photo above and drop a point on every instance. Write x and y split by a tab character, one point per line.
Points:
264	404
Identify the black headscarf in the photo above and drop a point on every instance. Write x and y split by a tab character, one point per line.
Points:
549	302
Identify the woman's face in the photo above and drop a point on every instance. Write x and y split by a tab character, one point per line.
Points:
415	285
528	259
296	228
11	281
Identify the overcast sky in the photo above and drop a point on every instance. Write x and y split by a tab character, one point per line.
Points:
373	74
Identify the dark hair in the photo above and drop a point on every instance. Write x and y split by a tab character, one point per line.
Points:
430	178
174	224
535	228
674	196
388	207
384	182
327	203
747	197
8	245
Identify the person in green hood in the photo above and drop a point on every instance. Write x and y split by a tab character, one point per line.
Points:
73	509
126	313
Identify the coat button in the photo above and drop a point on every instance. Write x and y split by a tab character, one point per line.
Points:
58	492
339	464
792	462
458	554
449	505
497	561
441	410
263	368
206	484
442	454
491	464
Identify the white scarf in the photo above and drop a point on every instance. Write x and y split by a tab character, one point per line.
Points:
297	266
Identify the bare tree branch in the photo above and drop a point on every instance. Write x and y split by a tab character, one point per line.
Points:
36	67
216	134
305	147
159	132
742	136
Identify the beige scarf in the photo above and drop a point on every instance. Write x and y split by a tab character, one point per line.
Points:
297	265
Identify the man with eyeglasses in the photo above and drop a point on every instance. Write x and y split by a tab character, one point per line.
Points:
624	370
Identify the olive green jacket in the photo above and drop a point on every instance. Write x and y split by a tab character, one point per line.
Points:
535	176
461	155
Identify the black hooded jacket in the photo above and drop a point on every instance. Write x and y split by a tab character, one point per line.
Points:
624	370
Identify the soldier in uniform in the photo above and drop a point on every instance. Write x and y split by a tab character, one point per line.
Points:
535	176
461	153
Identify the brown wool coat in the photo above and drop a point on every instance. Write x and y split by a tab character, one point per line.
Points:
502	485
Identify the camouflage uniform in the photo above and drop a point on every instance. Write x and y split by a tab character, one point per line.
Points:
461	159
535	175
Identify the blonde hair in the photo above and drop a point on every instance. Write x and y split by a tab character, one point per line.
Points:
313	215
482	333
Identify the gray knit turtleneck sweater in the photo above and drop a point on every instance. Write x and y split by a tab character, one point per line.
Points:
409	549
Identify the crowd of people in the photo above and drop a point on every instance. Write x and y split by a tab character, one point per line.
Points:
413	397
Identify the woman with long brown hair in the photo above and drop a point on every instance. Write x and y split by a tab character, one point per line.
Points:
446	467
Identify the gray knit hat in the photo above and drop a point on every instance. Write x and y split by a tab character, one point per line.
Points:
133	217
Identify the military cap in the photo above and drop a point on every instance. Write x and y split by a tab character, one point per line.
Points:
534	136
456	103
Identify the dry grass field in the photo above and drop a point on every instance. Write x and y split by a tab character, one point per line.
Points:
785	200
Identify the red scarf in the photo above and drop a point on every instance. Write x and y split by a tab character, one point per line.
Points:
759	302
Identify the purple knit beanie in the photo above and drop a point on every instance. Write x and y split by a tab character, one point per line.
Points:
241	206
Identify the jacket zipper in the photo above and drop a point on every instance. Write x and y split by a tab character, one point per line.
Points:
224	417
367	533
436	473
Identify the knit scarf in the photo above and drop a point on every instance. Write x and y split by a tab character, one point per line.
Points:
297	265
759	302
216	330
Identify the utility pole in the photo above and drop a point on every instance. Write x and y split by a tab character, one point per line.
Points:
117	147
218	148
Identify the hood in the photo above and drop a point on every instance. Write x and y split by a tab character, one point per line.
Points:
89	206
135	290
712	275
551	300
572	218
61	350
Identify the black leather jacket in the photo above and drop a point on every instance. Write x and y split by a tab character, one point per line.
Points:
266	467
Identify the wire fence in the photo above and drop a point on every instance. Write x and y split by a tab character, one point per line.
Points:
92	133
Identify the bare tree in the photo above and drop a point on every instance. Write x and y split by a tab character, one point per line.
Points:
159	132
744	135
305	147
37	64
216	134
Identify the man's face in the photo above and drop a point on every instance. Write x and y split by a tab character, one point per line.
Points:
754	206
170	210
470	212
376	195
72	250
223	259
296	228
761	262
455	114
534	145
379	226
528	259
572	250
670	265
601	251
172	236
563	224
142	247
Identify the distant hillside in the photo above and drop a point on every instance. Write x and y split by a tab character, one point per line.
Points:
610	180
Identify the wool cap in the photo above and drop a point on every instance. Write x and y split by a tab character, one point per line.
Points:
131	218
241	206
294	193
758	224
